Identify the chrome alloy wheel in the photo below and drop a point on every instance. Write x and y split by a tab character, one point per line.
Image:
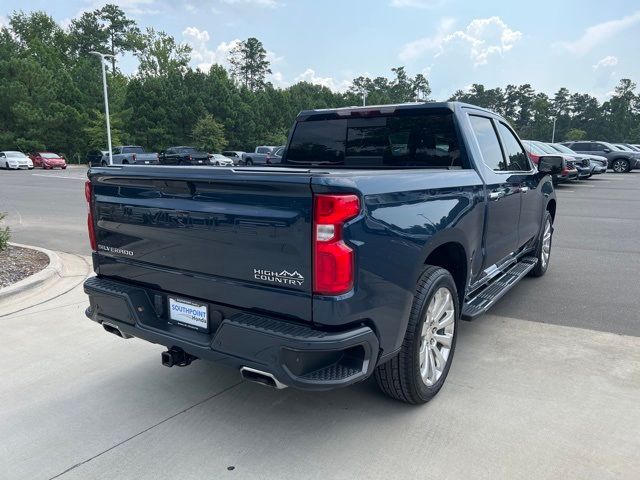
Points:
437	336
619	166
546	244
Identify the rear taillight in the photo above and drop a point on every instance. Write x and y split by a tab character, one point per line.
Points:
333	259
90	225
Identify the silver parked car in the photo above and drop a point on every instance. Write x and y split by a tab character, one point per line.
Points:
234	155
220	160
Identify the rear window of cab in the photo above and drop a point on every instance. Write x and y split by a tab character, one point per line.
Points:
415	140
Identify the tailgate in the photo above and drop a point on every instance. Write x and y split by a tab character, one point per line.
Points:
236	237
146	158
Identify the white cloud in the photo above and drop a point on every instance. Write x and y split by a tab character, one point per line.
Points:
257	3
201	54
596	34
482	38
309	75
204	57
277	78
417	48
606	62
417	3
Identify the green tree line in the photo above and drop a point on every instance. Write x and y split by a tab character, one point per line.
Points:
51	93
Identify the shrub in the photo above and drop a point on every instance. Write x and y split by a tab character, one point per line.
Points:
5	234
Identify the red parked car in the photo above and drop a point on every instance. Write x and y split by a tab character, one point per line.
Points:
569	170
48	160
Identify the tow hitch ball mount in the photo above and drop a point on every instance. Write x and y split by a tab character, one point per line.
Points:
177	357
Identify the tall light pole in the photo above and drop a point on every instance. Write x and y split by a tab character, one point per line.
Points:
553	134
364	97
103	56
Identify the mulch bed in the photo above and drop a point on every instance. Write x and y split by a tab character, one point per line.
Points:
17	263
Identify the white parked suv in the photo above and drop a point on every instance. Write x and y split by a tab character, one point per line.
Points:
15	160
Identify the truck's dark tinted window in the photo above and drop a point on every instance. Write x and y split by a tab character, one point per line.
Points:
516	156
427	140
488	141
132	150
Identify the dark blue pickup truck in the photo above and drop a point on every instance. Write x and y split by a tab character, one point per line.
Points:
358	255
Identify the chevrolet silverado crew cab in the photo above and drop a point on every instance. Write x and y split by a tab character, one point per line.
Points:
356	256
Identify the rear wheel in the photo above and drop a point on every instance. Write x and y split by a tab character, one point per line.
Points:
620	165
543	249
418	372
249	162
103	163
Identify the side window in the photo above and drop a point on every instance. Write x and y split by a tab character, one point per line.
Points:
488	141
581	147
115	151
598	147
517	160
262	150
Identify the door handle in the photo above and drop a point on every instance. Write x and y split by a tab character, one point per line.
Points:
524	189
495	195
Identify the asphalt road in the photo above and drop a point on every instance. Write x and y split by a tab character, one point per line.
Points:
47	208
592	281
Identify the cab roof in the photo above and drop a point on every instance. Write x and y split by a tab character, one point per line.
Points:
386	109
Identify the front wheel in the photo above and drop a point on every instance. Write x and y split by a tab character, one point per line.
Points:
543	249
249	162
418	372
620	166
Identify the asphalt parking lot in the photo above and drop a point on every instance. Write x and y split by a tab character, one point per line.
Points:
546	386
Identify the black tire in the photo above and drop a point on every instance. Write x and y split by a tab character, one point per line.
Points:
103	163
249	162
620	165
541	267
400	377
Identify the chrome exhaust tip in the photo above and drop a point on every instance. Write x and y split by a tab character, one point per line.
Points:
263	378
111	328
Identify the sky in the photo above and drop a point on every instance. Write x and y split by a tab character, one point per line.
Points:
584	46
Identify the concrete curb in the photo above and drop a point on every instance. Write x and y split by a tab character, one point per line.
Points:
53	269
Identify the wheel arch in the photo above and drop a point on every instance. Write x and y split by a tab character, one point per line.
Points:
452	256
551	208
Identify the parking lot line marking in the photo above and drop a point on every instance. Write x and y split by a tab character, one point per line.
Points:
56	176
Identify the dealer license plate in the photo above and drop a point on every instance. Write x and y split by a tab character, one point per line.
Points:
188	313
